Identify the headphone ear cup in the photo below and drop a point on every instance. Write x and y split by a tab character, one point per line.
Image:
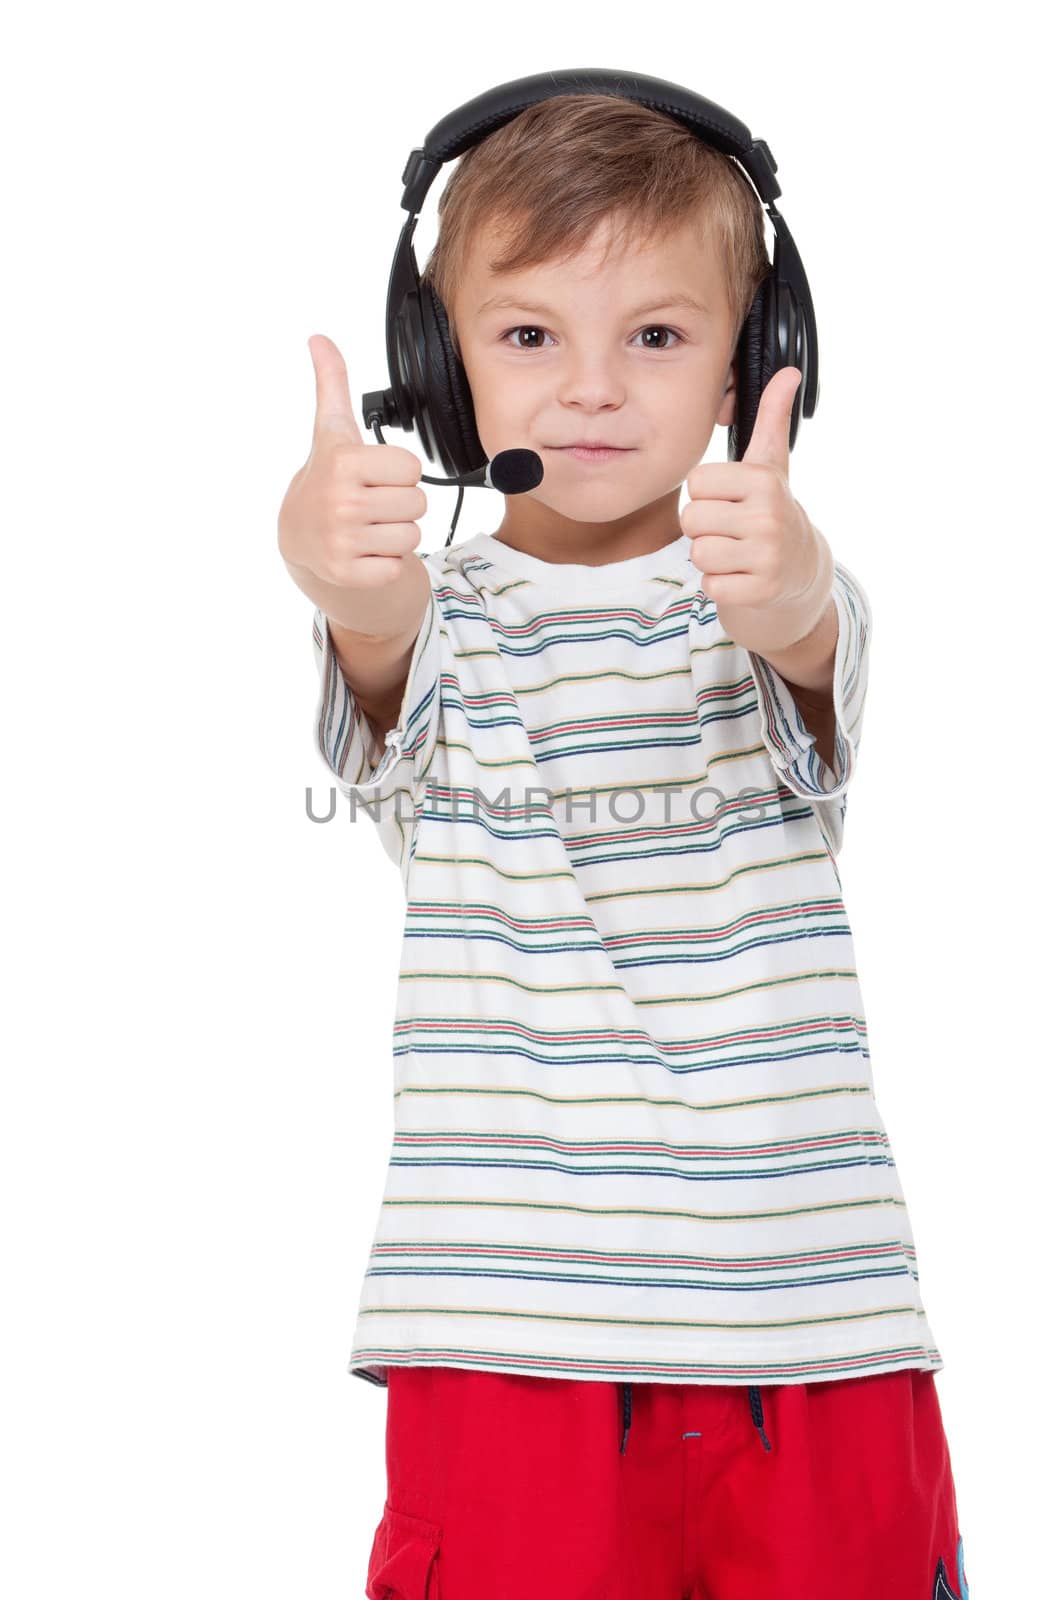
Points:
447	391
754	365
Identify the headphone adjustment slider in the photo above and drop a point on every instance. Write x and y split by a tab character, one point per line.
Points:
762	167
417	177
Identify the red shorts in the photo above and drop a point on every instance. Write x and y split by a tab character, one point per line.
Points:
505	1487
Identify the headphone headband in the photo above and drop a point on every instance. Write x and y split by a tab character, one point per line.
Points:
464	127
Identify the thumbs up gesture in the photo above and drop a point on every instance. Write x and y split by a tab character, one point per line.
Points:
351	512
769	570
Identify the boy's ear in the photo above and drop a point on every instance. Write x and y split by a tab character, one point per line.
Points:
726	414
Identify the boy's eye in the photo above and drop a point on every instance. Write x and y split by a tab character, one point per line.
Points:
654	327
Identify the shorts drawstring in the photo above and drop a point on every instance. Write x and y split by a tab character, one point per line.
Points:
756	1406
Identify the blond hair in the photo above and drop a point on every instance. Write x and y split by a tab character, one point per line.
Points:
547	178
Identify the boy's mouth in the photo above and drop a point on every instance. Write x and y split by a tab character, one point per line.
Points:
591	452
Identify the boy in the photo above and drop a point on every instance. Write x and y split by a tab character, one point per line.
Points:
643	1290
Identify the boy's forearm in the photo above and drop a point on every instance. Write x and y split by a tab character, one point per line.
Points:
808	665
374	614
374	653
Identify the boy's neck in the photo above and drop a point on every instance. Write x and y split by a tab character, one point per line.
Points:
540	531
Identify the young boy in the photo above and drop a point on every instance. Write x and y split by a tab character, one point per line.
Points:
643	1290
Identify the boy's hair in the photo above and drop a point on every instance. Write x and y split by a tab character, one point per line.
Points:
550	175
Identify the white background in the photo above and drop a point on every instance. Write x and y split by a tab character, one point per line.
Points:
197	1097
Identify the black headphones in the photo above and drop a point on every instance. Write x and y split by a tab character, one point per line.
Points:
429	388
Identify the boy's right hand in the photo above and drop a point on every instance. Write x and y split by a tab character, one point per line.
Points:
350	513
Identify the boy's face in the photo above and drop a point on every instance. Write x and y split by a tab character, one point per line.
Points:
582	352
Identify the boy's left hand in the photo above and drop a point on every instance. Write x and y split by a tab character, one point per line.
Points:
769	570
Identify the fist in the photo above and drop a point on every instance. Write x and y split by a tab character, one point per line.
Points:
761	557
351	512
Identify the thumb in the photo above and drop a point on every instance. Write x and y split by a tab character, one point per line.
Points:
334	415
770	440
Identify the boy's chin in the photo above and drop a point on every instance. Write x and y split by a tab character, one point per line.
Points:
592	506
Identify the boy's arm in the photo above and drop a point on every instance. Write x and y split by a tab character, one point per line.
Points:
376	668
817	713
811	734
375	665
376	671
384	753
807	668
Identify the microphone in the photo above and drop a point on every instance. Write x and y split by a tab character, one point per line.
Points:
511	472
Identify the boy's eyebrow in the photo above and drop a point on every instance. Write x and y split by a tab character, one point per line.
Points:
680	298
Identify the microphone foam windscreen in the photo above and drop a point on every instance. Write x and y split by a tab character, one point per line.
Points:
516	471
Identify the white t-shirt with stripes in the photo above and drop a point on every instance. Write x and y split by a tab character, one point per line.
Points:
635	1131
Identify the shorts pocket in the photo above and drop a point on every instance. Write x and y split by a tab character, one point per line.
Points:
404	1561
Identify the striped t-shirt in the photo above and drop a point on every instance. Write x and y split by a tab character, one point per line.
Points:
635	1129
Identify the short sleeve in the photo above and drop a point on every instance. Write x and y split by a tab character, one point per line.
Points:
790	744
345	739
